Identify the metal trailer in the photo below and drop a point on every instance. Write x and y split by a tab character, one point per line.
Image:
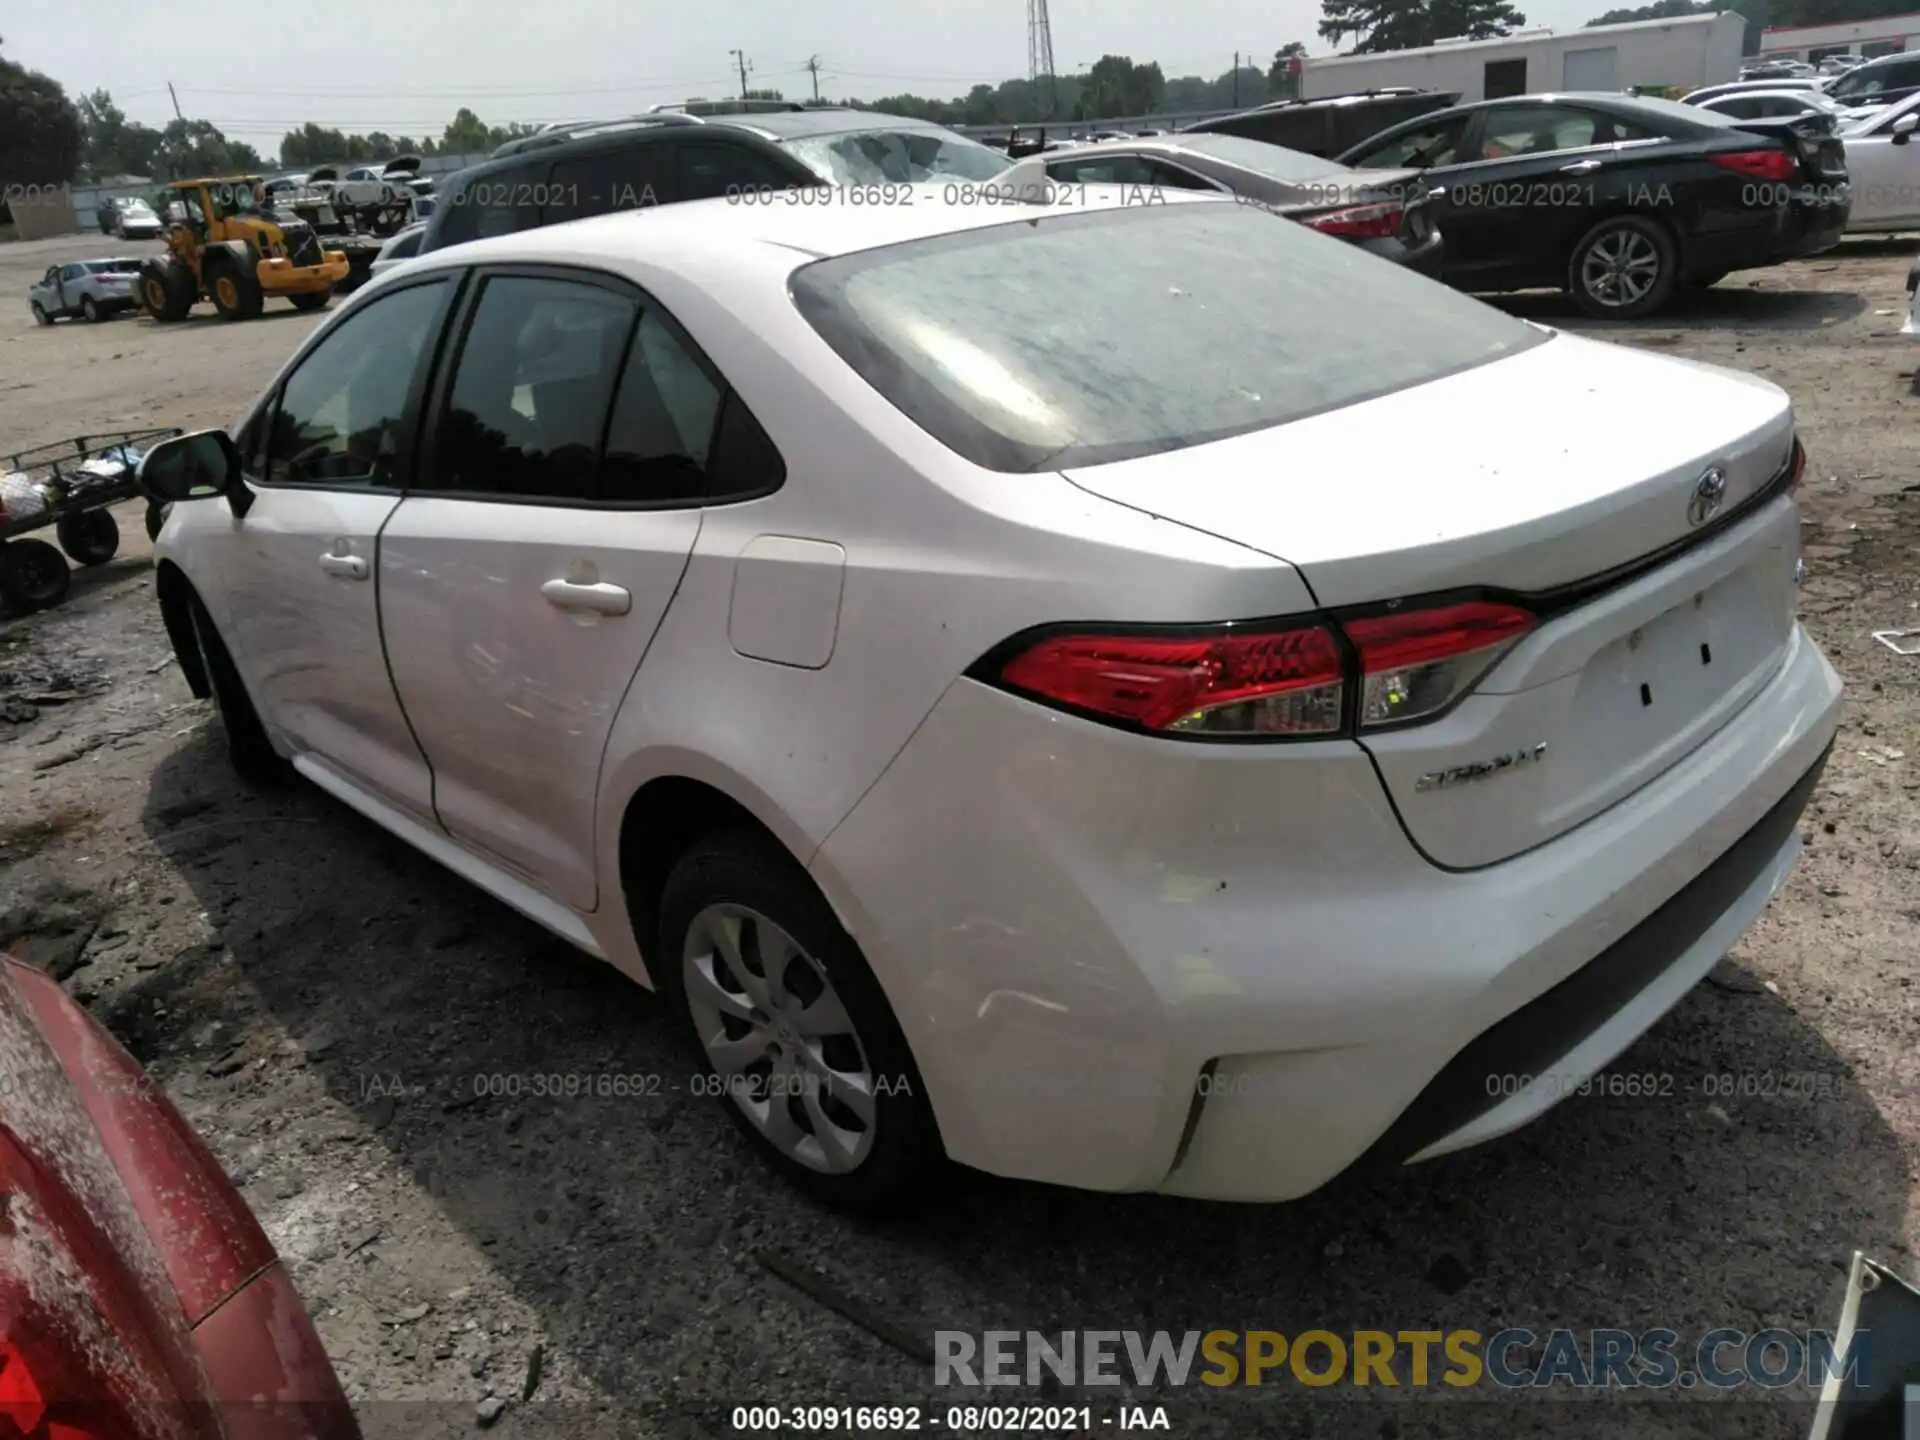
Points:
67	485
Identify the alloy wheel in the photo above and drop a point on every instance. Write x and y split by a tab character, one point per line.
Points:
1620	268
779	1038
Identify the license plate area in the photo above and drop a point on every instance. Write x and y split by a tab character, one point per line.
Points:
1674	679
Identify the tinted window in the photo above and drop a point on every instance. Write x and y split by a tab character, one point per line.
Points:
342	411
72	272
708	170
1871	80
1542	129
661	435
1105	170
1421	147
1744	107
496	203
744	460
530	390
630	178
1077	339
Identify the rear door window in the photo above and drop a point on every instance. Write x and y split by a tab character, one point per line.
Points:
528	403
1078	339
1424	146
499	202
708	170
632	177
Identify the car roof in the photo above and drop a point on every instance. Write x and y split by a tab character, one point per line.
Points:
804	232
801	124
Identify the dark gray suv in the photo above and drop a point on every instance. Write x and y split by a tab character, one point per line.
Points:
592	168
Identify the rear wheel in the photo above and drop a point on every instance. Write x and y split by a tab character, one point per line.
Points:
794	1036
167	289
1623	268
90	537
236	292
33	575
90	308
311	300
247	744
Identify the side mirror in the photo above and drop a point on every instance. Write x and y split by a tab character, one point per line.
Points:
200	466
1903	128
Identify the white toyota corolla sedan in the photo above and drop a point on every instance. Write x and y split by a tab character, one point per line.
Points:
1136	696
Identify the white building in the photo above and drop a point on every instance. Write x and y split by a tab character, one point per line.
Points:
1688	52
1888	35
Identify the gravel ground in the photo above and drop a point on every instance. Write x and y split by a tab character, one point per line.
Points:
322	1002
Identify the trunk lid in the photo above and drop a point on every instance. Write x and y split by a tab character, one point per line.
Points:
1527	476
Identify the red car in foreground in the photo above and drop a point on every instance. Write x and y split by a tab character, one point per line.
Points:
139	1298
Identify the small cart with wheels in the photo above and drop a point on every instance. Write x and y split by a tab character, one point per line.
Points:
67	485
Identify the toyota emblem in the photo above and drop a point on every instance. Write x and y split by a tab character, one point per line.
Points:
1708	491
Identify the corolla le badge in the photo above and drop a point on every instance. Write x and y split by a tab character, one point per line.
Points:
1708	493
1482	769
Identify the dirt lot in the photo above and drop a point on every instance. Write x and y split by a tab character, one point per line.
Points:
320	1001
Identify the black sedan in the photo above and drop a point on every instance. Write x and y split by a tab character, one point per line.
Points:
1385	213
1617	199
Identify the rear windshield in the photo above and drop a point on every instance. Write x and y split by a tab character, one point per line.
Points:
1086	338
1262	158
898	157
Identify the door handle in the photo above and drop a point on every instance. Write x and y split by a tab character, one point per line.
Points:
603	599
1580	167
347	567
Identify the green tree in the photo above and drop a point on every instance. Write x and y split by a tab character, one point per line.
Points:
109	143
190	148
465	132
1378	25
1116	86
40	140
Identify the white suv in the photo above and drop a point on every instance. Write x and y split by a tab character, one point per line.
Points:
868	623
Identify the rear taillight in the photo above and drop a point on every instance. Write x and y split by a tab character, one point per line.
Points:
1359	222
1760	164
1252	682
1417	664
1284	681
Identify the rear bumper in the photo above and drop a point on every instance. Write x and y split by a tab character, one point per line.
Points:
1119	970
1800	228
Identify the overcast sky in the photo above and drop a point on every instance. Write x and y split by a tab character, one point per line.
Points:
404	66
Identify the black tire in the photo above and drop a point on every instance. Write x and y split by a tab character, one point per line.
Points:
40	316
33	575
904	1159
167	289
90	308
90	537
235	289
248	748
156	517
311	299
1602	289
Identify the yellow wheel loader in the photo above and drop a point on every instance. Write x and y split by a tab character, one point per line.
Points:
223	245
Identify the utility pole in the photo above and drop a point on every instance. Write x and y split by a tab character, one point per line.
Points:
176	102
1236	79
813	65
740	58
